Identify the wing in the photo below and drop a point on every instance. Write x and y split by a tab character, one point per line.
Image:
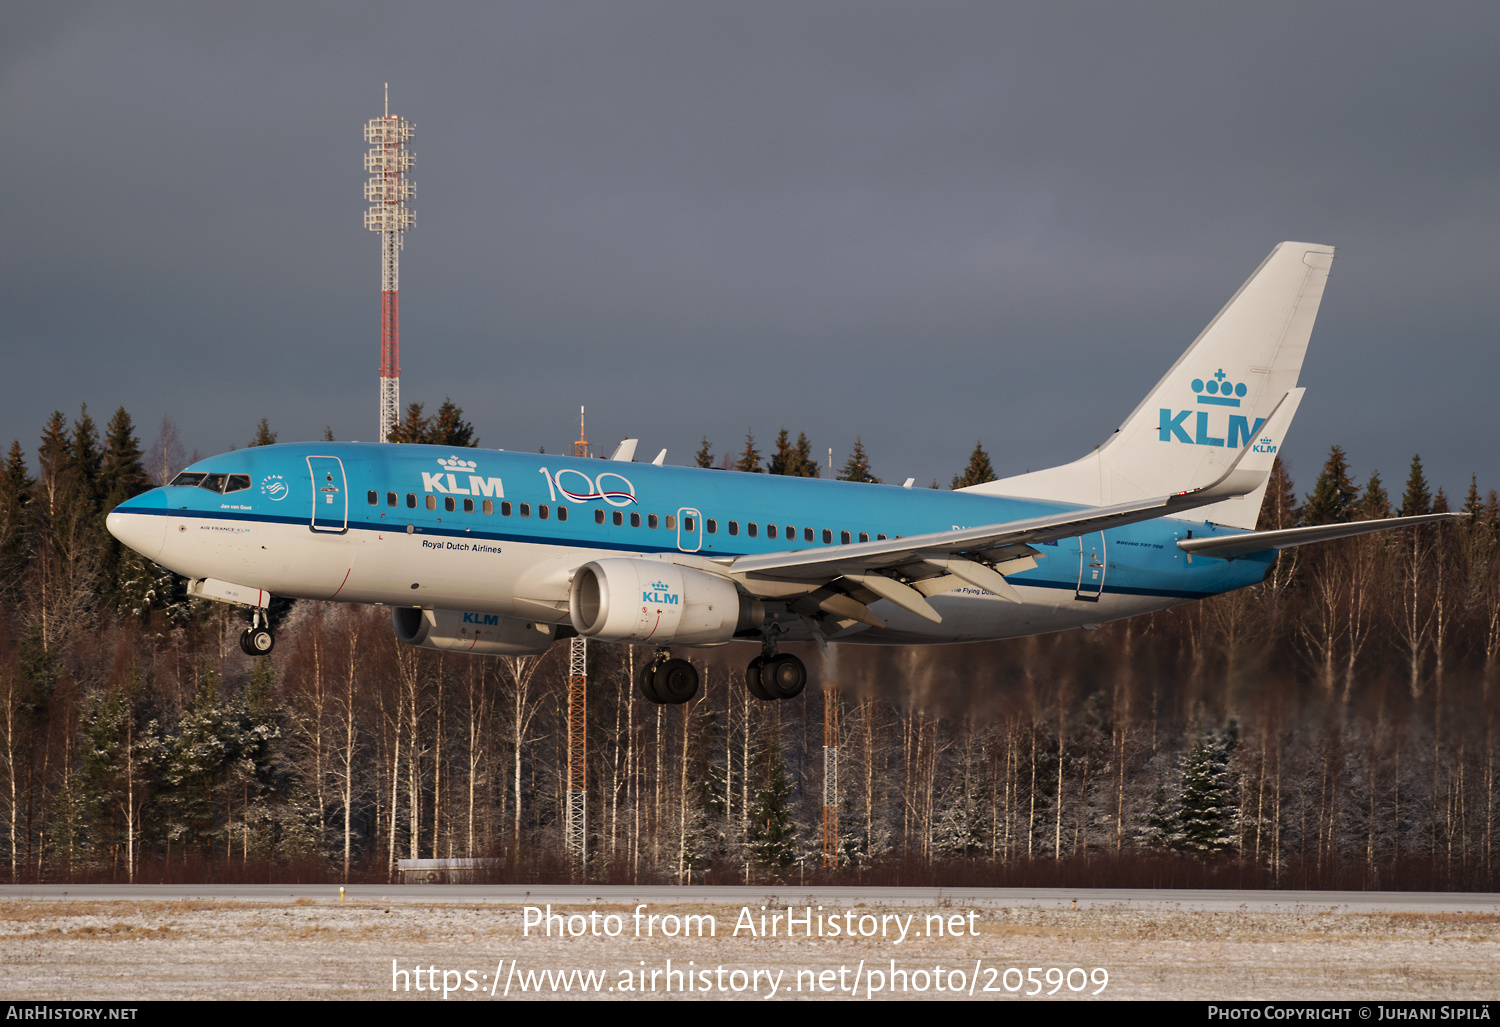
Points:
907	570
1229	547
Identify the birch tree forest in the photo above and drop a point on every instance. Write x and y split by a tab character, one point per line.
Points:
1335	726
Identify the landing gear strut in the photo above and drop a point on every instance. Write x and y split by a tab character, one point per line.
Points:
257	640
772	676
666	681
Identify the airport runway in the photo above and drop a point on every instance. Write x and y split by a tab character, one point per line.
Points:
497	943
1040	898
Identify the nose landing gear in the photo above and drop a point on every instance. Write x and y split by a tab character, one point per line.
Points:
257	640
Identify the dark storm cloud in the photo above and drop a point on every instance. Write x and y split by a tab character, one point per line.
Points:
920	224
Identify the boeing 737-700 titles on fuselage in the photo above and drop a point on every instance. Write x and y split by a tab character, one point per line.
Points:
498	553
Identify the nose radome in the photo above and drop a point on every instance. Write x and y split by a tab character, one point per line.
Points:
141	523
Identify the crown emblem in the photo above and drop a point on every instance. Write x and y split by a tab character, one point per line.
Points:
660	586
1218	390
453	463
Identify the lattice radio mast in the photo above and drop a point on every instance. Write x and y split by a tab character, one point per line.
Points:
578	797
831	777
389	162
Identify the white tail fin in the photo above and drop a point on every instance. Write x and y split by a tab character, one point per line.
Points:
1212	401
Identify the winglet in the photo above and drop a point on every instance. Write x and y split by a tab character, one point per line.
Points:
1253	464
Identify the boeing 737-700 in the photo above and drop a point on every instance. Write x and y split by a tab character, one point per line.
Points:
500	553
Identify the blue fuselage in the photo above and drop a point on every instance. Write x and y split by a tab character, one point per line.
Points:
498	531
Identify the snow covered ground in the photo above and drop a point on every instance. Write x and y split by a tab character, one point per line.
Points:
472	942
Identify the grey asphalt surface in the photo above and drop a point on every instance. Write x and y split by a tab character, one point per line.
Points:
1039	898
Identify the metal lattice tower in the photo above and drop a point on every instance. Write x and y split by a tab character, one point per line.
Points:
389	162
578	797
831	778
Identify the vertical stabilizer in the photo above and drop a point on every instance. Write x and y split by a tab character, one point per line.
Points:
1212	401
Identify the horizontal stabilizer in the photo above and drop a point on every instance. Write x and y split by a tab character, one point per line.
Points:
857	560
1228	547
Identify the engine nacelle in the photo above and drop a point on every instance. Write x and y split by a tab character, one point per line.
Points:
485	634
651	601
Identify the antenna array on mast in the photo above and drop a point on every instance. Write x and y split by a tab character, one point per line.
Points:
389	162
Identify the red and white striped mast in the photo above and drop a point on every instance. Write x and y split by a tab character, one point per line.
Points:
389	161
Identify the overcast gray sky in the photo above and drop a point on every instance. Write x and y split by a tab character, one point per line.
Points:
922	224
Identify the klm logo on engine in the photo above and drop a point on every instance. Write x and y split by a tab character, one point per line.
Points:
660	594
488	620
448	483
1197	428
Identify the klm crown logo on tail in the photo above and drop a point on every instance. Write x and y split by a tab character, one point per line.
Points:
1217	390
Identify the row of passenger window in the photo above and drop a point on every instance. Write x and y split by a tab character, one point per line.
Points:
618	518
789	532
543	511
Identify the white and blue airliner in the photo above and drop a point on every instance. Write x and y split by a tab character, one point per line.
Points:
500	553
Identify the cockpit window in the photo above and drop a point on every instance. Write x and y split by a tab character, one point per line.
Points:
212	482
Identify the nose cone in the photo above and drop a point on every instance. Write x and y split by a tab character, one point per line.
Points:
141	523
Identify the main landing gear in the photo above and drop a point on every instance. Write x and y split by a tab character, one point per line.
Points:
257	640
772	676
666	681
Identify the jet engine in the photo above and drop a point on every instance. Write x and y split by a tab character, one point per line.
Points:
485	634
628	600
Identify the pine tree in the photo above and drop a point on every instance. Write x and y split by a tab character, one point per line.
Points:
773	834
1205	807
121	477
807	466
785	456
121	753
52	462
1417	499
1163	826
450	429
1375	504
1333	497
86	462
264	436
857	467
705	455
750	458
122	474
1279	507
328	433
793	459
194	762
414	428
979	470
15	535
1473	505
